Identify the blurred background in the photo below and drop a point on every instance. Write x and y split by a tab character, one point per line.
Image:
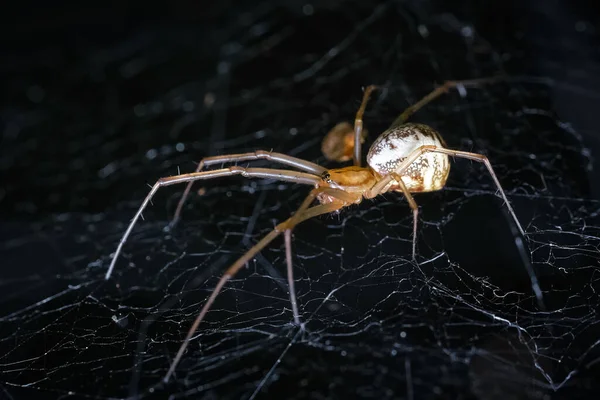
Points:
100	100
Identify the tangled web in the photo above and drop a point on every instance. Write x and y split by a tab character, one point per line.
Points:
484	313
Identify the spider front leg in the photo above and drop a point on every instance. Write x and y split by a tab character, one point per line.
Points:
284	159
278	174
304	213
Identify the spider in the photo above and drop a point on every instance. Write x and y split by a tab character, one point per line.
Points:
406	158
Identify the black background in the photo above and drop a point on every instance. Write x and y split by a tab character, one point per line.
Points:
98	101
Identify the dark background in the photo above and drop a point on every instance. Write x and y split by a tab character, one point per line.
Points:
99	101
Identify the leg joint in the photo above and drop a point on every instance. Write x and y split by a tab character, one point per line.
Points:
235	169
284	226
263	154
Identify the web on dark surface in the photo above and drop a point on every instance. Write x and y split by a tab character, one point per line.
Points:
485	314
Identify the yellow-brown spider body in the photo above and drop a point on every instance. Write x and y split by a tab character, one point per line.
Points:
350	179
353	181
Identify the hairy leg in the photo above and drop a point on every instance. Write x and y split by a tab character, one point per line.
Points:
301	215
279	174
284	159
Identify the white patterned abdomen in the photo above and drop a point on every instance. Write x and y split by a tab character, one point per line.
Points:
427	173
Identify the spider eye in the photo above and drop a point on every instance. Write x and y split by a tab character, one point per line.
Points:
326	177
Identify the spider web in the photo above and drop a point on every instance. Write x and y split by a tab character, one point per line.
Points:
93	113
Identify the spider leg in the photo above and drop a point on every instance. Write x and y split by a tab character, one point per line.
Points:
383	185
301	215
437	92
284	159
335	193
290	275
482	159
415	209
358	124
279	174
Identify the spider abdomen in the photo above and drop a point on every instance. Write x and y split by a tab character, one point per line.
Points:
427	173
